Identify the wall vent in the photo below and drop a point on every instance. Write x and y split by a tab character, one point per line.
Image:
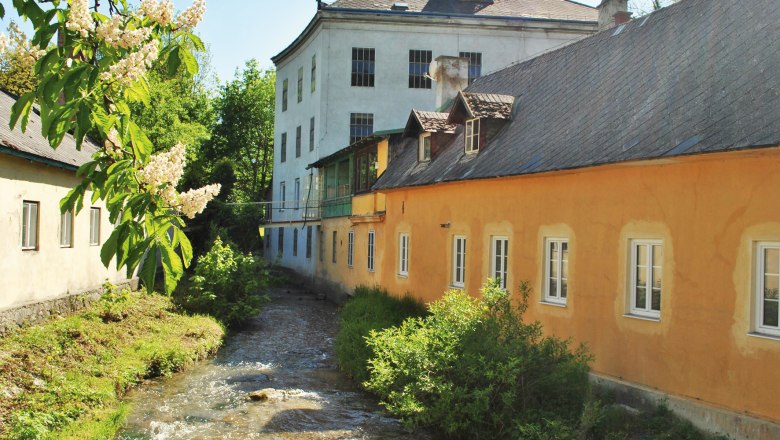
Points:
400	6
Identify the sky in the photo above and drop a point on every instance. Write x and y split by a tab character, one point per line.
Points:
239	30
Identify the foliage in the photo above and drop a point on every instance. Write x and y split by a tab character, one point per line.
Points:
17	64
370	309
474	369
87	84
64	379
227	285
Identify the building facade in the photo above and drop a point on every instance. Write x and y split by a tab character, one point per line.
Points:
640	206
359	66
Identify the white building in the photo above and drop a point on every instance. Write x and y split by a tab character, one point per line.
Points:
45	256
360	65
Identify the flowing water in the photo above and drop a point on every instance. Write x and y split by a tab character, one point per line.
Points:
289	348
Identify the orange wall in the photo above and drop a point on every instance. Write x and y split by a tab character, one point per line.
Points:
709	211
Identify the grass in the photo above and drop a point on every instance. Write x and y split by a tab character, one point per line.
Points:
369	309
66	378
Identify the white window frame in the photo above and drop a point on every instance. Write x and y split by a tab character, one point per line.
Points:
371	247
283	195
403	254
471	135
66	229
297	193
499	262
30	225
351	248
94	226
556	297
645	310
761	268
421	152
459	261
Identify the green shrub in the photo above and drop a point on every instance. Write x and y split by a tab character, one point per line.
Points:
369	309
474	369
227	285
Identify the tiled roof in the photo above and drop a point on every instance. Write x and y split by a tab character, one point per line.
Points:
696	77
433	121
488	105
32	143
542	9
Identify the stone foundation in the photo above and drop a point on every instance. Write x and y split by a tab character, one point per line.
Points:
38	312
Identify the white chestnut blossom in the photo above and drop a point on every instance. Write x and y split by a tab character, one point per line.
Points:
112	33
193	202
80	19
4	42
113	141
159	12
130	69
192	15
164	170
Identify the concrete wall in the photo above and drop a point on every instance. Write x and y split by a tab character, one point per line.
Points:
51	271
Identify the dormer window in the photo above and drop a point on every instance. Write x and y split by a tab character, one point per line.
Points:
425	147
472	135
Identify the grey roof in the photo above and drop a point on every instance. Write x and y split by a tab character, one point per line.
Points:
697	77
33	145
539	9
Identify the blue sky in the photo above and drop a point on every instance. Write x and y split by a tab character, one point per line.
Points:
239	30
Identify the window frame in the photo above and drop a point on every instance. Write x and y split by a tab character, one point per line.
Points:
403	254
283	195
361	126
561	296
371	249
475	68
471	136
314	73
424	136
633	309
419	62
504	261
28	226
295	242
308	242
285	93
364	179
458	272
351	248
311	134
298	140
94	226
335	244
363	70
297	194
759	293
280	243
300	84
283	148
66	228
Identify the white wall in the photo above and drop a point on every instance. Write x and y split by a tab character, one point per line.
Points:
50	271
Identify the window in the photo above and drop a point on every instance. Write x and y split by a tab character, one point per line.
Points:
768	288
360	125
280	243
556	275
283	149
475	64
472	135
284	95
297	193
94	226
311	134
300	84
30	225
646	272
320	244
308	242
283	195
425	147
66	229
350	248
371	251
295	242
313	73
459	261
403	255
365	169
419	62
333	257
499	255
363	67
298	141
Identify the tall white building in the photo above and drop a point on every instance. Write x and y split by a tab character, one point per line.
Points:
361	65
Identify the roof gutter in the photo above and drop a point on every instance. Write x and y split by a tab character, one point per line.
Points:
34	158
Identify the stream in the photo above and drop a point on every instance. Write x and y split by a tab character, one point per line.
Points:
288	347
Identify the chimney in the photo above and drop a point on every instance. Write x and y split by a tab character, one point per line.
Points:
612	13
320	5
451	75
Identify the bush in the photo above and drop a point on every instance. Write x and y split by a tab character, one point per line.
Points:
474	369
227	285
369	309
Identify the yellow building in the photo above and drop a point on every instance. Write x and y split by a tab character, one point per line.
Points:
633	179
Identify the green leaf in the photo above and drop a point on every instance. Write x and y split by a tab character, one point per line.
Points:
86	169
197	43
172	266
189	61
173	61
108	250
149	268
142	146
21	109
185	246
